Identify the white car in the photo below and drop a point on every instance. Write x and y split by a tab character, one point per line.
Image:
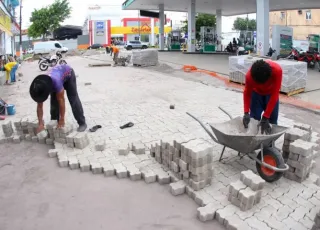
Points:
49	46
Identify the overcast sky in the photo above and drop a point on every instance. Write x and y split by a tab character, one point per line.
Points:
79	12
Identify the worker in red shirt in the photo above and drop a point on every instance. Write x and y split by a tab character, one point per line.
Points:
261	94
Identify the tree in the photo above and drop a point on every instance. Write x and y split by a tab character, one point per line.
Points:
208	20
47	19
245	24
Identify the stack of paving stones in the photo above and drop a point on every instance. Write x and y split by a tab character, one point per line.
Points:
75	139
247	191
190	161
299	150
7	131
316	225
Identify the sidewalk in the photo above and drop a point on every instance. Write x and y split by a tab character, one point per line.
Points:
118	95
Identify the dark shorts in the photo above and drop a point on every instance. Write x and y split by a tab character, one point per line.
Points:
258	106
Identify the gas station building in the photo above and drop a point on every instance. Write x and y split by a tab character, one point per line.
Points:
220	8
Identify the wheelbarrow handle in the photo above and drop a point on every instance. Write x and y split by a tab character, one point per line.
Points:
205	128
225	112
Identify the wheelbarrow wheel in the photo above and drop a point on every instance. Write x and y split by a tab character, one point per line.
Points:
274	158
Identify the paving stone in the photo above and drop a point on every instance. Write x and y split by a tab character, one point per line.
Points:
52	153
252	180
16	139
163	178
254	223
235	223
222	214
121	172
49	141
96	168
190	192
108	169
208	212
295	134
73	163
34	139
290	222
299	213
235	187
282	213
84	165
178	188
124	150
134	173
149	176
101	145
63	161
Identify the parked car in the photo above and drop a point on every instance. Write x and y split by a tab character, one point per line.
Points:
95	46
48	46
135	45
30	51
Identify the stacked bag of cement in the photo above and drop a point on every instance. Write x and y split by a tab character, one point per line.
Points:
146	57
191	161
299	150
247	191
238	68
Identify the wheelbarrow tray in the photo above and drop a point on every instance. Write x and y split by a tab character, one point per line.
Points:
232	134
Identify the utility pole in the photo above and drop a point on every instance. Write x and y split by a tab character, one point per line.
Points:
20	42
139	25
247	22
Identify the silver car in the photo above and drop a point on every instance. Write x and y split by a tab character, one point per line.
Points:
135	45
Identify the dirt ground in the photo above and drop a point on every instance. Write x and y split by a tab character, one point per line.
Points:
36	194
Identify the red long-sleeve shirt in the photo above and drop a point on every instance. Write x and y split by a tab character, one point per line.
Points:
271	87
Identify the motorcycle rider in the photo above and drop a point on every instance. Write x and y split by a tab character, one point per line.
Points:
261	94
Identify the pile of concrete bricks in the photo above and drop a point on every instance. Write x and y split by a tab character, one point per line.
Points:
299	150
316	225
189	161
301	158
247	191
75	139
21	127
148	57
7	129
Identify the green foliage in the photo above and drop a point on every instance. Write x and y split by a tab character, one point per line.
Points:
208	20
48	19
245	24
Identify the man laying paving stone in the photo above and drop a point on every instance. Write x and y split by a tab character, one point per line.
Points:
115	51
58	79
261	94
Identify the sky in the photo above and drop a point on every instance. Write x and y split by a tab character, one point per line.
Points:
79	12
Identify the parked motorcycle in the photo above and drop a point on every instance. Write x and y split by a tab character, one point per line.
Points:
53	60
311	58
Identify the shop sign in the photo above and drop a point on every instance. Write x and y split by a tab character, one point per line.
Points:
96	7
143	29
5	20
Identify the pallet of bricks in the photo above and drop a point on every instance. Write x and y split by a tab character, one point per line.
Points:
190	161
300	148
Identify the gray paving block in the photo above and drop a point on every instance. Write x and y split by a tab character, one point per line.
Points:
247	199
163	178
34	139
208	212
121	172
96	167
49	141
73	163
183	165
252	180
303	148
178	188
295	134
223	213
198	185
149	176
108	169
124	150
134	173
174	167
235	223
138	148
52	153
16	139
235	187
84	165
304	127
63	161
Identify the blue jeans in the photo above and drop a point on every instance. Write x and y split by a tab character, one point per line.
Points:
13	73
259	104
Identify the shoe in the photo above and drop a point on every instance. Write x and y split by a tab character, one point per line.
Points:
82	128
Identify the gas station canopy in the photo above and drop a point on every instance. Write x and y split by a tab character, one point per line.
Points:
227	7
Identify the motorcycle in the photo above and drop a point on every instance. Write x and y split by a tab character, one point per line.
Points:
311	58
53	60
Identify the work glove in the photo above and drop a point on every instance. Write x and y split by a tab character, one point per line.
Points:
246	120
265	126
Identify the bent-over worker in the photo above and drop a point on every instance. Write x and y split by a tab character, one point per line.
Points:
59	79
261	94
115	51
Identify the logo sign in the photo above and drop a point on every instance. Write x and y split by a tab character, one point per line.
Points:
100	33
100	25
143	29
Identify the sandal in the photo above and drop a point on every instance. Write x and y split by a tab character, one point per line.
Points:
128	125
95	128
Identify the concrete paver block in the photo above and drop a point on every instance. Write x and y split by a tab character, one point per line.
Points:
121	172
149	176
163	178
73	163
208	212
96	168
84	165
295	134
178	188
108	170
52	153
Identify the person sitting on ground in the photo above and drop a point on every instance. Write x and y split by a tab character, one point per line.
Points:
261	94
59	79
115	51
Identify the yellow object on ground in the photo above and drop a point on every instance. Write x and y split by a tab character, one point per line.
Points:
7	75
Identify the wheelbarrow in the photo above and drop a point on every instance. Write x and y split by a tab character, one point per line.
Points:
232	134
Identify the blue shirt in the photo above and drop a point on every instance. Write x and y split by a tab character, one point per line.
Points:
59	75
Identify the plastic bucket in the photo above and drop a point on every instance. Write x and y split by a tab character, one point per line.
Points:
11	109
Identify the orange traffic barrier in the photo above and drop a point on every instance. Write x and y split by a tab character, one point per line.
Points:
189	68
